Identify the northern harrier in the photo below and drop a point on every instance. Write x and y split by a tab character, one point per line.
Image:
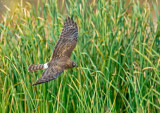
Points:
61	55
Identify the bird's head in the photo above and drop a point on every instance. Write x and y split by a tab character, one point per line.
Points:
74	64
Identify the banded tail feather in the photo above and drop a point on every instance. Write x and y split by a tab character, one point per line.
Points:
61	54
35	67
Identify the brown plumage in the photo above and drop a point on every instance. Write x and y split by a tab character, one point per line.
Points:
35	67
61	55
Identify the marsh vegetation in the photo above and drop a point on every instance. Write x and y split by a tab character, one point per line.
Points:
118	57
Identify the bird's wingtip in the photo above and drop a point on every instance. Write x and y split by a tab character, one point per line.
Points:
35	83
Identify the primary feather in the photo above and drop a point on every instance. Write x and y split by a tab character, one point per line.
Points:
61	54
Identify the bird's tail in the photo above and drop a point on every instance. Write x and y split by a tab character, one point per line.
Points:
35	67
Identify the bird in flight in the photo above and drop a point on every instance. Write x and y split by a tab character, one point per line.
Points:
61	55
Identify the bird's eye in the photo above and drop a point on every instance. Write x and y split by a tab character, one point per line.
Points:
74	64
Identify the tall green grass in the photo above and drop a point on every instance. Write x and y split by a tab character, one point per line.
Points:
118	57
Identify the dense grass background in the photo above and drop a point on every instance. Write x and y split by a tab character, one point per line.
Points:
118	56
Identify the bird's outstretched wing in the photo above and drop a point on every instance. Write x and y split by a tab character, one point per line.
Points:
67	40
50	74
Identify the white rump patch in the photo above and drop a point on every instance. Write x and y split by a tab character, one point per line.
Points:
45	66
